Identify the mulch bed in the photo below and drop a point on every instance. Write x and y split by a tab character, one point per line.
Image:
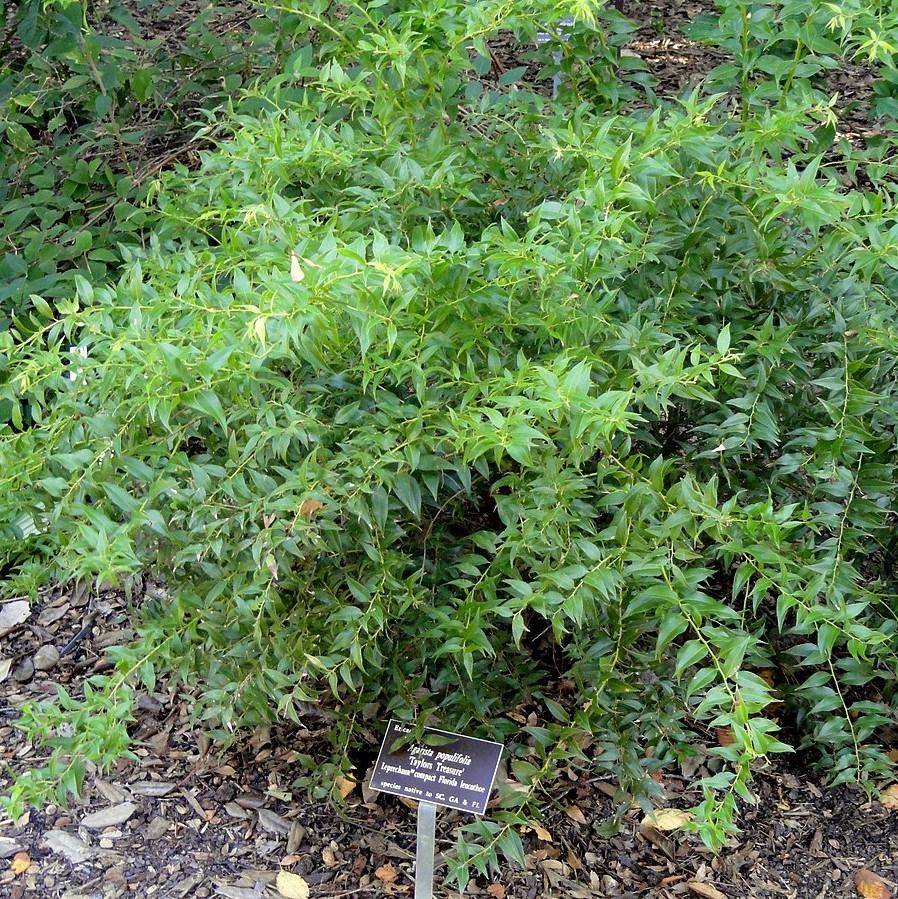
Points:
187	820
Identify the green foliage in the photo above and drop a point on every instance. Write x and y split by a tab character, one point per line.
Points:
435	397
92	103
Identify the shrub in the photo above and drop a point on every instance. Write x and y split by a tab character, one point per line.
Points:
441	398
92	103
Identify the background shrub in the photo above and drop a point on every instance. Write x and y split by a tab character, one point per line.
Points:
95	99
435	396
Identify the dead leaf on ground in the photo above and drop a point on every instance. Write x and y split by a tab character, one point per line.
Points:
870	885
5	666
575	813
368	795
273	822
386	873
725	736
109	817
234	892
658	840
295	837
666	819
69	846
496	890
539	830
20	863
345	785
705	889
292	886
154	788
889	797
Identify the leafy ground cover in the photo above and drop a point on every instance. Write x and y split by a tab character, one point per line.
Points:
435	389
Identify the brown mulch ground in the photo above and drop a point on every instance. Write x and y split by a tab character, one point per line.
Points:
188	821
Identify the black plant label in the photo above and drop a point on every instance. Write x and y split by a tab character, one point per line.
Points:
446	769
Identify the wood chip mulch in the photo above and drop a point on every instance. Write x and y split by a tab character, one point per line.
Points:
186	820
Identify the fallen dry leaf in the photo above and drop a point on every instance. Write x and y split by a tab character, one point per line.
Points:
889	797
386	873
273	822
5	665
296	272
69	846
870	885
20	863
496	890
665	819
309	507
725	736
368	795
658	840
292	886
345	785
575	813
540	831
705	889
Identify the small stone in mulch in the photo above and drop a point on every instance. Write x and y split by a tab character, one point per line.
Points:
46	658
157	828
107	817
68	845
24	671
9	847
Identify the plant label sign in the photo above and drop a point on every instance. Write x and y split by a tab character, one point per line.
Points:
445	769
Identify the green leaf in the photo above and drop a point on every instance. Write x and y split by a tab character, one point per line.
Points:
207	403
723	340
409	493
512	848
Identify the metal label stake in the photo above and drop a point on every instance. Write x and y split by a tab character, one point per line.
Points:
440	768
541	38
425	850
